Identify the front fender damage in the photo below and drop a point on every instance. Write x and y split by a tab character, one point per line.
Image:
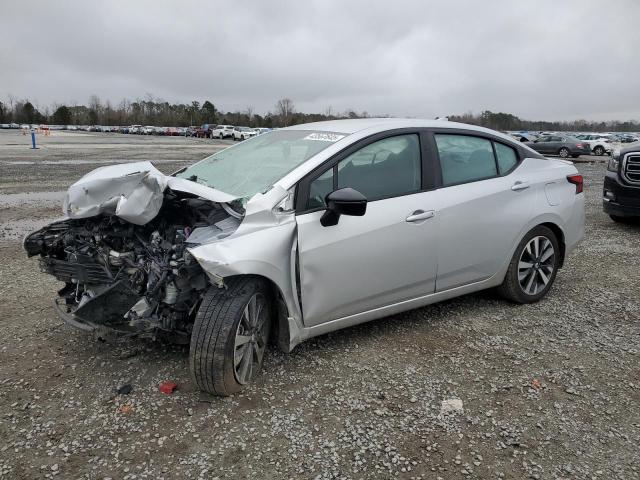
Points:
264	245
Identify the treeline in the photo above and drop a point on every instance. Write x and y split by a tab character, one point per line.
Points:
507	121
154	111
158	112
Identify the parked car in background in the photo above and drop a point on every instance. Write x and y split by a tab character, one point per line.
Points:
523	137
307	230
260	131
598	143
135	129
627	138
222	131
561	145
242	133
621	191
204	131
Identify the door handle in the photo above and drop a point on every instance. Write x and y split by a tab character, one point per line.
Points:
520	186
420	215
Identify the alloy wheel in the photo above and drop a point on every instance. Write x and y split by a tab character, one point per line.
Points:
251	339
536	265
564	153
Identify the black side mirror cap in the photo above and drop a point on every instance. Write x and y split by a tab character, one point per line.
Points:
345	201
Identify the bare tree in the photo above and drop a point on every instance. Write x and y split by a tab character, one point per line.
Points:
285	110
96	107
248	111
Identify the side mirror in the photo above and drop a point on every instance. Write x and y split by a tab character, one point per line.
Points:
345	201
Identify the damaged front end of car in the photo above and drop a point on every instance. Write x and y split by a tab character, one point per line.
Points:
123	251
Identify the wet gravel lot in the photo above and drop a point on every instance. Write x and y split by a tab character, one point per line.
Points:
469	388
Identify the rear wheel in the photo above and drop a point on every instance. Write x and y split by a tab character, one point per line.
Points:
533	267
564	152
230	336
599	151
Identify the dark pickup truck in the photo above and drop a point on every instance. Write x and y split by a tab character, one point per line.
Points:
621	195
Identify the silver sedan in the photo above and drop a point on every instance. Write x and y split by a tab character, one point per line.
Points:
305	230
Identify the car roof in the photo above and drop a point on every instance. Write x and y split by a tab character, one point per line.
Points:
381	124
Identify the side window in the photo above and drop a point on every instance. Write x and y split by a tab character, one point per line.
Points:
387	168
465	159
320	188
507	157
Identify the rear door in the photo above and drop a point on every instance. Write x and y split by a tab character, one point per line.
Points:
483	204
384	257
542	144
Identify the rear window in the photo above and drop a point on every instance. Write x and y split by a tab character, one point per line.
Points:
464	158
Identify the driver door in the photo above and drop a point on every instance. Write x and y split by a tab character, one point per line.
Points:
384	257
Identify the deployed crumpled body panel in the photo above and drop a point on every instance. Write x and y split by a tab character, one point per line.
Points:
134	251
133	192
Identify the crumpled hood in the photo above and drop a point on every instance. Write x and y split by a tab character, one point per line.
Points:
131	191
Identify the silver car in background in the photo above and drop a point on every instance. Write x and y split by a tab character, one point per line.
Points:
306	230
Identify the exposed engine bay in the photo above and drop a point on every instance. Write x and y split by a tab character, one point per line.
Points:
128	279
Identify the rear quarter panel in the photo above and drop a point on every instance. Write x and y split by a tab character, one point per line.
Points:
556	199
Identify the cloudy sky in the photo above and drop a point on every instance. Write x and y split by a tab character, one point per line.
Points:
552	60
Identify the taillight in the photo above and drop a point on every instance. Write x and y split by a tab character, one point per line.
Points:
578	181
578	145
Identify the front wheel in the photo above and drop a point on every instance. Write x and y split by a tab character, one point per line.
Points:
564	152
599	151
230	336
533	267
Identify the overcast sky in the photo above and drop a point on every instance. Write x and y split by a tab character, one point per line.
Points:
551	60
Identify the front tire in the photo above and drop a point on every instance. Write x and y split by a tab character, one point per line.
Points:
533	267
599	151
564	152
230	336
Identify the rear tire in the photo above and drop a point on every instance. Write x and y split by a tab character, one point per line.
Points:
599	151
533	268
230	335
564	152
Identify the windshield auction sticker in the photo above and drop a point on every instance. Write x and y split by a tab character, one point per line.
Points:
324	137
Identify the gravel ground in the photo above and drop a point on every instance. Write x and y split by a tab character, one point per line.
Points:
469	388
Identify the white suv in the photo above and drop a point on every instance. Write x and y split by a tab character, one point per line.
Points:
599	143
242	133
222	131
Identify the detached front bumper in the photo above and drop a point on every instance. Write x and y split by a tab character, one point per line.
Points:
620	199
70	318
99	331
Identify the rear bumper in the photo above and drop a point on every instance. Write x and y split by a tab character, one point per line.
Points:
580	151
620	199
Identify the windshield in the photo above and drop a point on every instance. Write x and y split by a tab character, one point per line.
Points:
254	165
